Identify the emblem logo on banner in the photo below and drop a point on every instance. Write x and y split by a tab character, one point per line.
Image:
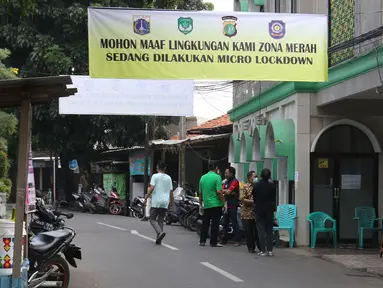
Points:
229	26
185	25
277	29
141	25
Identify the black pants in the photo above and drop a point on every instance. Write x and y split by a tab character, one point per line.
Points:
231	215
213	215
251	234
265	220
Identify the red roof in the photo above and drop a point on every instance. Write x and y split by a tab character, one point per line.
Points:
220	121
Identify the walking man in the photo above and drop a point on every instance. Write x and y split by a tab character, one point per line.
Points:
161	190
264	194
211	197
230	189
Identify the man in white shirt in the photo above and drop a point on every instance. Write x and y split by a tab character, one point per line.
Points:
161	190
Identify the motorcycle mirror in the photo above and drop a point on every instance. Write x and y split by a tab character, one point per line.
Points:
69	216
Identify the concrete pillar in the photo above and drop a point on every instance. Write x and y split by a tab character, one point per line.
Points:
302	166
380	185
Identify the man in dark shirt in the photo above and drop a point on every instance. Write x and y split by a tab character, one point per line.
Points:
230	189
264	194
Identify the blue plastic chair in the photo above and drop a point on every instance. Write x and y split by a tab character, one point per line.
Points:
317	222
366	217
286	216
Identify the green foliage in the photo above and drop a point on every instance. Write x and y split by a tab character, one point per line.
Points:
3	165
6	186
5	73
8	127
52	39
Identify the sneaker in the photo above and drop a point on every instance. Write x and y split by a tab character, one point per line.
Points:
262	254
160	237
222	242
216	245
237	244
270	253
251	251
257	250
202	244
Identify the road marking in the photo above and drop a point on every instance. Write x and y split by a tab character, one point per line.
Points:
111	226
224	273
135	232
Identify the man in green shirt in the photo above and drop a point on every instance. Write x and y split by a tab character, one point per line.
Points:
210	195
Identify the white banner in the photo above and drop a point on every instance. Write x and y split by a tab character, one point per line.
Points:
30	198
97	96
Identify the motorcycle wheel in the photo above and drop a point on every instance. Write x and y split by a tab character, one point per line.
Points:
72	206
167	219
187	222
193	223
115	209
63	268
92	210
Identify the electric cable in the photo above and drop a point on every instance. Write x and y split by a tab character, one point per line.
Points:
203	158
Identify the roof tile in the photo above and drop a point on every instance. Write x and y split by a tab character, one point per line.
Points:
220	121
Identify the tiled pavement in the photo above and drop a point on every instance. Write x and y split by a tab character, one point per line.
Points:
364	260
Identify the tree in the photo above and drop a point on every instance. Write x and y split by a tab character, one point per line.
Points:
52	39
8	127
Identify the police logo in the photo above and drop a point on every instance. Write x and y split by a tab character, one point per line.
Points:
185	25
141	25
277	29
229	26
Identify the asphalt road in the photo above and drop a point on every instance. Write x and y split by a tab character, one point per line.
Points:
118	253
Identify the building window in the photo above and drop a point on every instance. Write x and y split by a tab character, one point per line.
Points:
294	6
277	6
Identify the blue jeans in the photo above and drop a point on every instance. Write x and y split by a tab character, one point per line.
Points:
231	215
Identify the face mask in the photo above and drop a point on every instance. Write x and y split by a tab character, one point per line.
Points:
255	180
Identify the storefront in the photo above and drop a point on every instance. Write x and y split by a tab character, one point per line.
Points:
322	141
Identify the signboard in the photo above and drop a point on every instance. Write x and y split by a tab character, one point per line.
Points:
137	163
30	199
153	44
73	165
322	163
129	97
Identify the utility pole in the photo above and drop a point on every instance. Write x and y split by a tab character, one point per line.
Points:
181	160
146	165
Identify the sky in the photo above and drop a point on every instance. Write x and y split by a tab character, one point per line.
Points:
210	105
222	5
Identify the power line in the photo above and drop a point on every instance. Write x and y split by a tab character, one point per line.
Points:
203	158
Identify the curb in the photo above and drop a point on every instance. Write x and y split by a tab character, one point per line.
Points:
362	270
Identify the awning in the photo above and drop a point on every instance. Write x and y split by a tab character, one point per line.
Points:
191	140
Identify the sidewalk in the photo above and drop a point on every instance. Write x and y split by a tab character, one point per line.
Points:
366	260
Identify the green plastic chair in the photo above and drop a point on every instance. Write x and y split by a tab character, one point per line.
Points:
366	217
317	222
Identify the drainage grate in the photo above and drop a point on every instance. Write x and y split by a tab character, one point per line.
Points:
360	275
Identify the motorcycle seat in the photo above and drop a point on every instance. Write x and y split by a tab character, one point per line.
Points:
46	241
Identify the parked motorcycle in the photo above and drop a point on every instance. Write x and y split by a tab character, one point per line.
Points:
46	220
88	202
46	250
105	203
184	208
115	203
137	208
77	202
172	215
